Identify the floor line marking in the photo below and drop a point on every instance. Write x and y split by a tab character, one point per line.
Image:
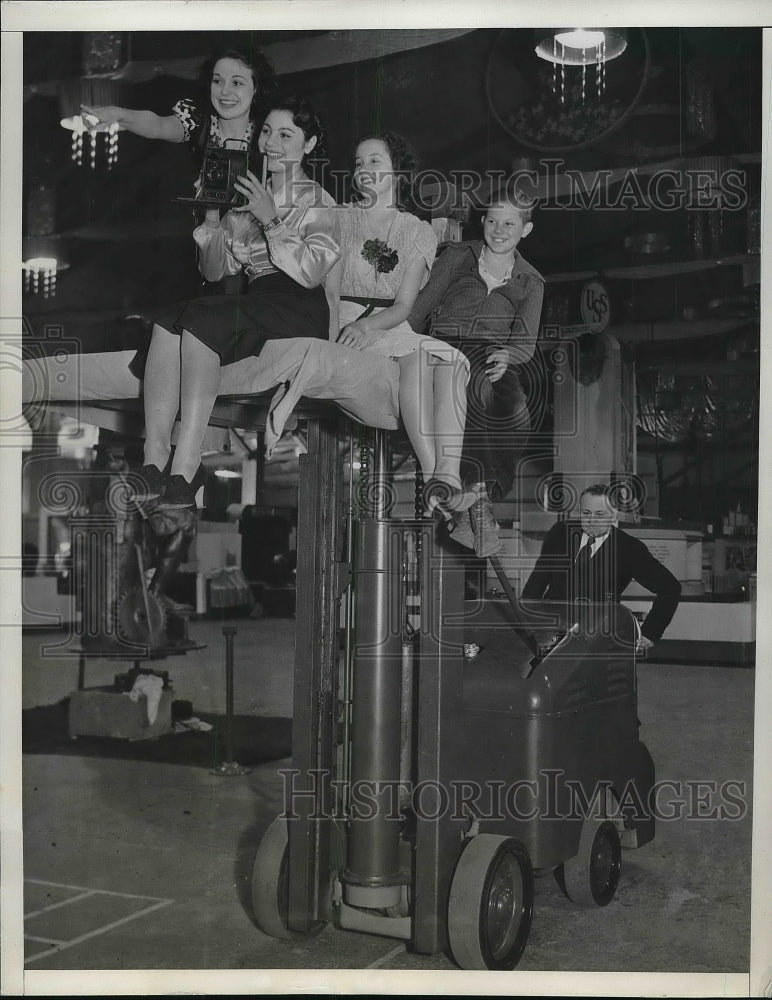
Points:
83	888
62	902
385	958
100	930
40	940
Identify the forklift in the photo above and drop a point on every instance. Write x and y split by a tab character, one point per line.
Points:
437	765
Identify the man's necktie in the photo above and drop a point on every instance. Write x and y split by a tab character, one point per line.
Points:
582	589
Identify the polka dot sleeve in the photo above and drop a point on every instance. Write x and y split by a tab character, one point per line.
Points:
189	115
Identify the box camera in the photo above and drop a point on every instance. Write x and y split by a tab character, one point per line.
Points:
221	168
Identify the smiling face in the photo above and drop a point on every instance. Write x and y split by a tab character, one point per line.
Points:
373	170
503	228
232	89
282	142
596	514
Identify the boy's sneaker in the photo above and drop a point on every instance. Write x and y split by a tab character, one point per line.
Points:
147	483
179	493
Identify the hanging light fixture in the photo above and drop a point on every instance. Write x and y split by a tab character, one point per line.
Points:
40	275
42	254
81	125
580	47
103	54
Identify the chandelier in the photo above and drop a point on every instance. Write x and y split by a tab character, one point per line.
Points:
81	125
42	254
580	47
103	54
40	275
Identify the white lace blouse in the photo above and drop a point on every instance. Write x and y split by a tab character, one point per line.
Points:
408	235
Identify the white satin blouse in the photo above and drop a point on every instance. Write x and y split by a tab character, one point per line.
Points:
305	246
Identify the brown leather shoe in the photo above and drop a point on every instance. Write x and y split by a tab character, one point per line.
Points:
484	528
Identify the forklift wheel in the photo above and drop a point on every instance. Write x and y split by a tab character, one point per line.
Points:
270	886
269	881
591	877
491	903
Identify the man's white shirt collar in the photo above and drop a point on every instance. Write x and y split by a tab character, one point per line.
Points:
595	542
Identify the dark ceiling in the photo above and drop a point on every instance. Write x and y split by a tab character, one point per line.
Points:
54	55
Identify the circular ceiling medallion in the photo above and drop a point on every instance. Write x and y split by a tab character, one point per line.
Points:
556	107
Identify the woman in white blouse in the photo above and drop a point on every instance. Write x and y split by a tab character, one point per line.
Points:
285	240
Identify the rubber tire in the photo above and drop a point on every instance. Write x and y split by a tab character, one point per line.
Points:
270	885
483	877
592	876
270	881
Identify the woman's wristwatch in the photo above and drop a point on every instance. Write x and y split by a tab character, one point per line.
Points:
274	223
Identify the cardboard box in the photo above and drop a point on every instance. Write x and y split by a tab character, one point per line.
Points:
105	712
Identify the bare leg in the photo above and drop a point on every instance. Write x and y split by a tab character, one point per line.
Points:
161	392
201	375
449	419
416	404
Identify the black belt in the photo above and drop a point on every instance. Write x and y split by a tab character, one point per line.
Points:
367	302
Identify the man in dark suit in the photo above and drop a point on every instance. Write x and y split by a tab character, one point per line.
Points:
592	559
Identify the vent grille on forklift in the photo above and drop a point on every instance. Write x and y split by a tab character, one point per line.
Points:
575	693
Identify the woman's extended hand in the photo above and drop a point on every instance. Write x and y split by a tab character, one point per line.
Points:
496	365
356	335
104	116
259	200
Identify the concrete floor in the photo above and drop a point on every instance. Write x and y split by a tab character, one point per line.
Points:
167	850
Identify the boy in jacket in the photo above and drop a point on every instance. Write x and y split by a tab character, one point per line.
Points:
485	299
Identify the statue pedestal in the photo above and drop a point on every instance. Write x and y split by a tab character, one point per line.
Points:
594	414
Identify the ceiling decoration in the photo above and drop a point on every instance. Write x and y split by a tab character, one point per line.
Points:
582	48
41	250
104	53
93	93
546	108
676	407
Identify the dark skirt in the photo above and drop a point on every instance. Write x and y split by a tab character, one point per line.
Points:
274	307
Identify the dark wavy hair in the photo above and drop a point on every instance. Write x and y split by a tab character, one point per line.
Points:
260	69
404	161
304	117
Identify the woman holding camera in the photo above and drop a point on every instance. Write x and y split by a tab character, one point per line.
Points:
285	239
